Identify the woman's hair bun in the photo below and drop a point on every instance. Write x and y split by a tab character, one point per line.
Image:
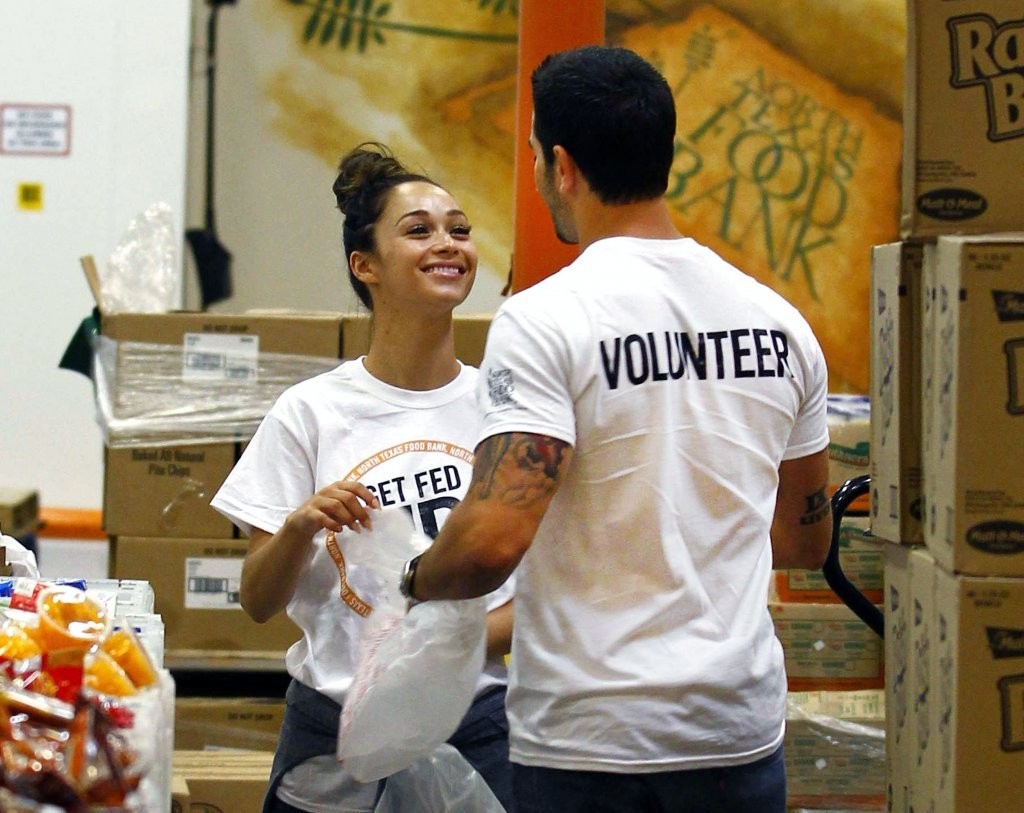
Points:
365	167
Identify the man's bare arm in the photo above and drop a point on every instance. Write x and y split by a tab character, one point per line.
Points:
802	526
515	476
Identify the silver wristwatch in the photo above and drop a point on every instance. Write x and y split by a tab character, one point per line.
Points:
405	586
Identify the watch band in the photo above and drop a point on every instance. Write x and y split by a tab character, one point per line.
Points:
406	586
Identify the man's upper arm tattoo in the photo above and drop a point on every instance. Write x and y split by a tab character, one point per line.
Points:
517	468
817	507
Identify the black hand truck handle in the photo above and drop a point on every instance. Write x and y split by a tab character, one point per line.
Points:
843	587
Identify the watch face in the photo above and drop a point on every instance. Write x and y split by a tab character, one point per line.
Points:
405	585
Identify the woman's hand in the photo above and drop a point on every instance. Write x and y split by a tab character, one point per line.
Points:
343	504
273	563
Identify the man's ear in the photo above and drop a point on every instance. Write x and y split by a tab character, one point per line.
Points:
565	169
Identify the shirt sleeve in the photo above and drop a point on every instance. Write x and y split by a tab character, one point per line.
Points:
523	385
273	477
810	432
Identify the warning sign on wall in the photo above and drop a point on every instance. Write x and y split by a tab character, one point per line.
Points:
35	129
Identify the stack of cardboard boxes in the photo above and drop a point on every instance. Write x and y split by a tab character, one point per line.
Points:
835	735
178	397
948	419
162	467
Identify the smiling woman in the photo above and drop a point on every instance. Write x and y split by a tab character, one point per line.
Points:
393	428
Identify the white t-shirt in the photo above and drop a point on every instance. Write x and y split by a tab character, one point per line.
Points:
411	448
643	639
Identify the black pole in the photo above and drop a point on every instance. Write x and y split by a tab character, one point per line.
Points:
211	69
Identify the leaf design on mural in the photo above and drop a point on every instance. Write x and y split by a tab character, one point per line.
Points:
498	6
345	21
348	22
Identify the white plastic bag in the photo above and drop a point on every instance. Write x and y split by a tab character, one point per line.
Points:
21	559
442	782
417	670
141	275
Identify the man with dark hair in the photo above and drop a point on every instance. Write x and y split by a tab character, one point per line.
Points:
654	442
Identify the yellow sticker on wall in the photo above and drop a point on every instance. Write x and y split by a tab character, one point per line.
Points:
30	196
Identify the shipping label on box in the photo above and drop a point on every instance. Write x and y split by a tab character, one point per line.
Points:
896	493
219	357
212	583
963	118
978	719
975	496
826	646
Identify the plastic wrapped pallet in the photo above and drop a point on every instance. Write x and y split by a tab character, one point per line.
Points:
147	396
835	750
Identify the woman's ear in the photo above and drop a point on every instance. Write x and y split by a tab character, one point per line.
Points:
361	267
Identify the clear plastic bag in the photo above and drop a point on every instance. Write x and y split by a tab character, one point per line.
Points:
442	782
142	273
418	669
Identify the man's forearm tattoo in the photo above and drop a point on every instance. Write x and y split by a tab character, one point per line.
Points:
818	507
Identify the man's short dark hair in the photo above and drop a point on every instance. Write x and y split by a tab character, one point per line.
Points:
613	112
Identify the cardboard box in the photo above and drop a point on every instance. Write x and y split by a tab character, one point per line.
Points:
289	332
180	801
166	379
849	447
898	616
921	770
19	511
929	277
166	490
835	750
860	557
978	717
896	486
963	118
244	723
177	378
827	647
470	336
224	781
196	583
975	494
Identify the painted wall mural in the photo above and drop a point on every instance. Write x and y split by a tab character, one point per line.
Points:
788	146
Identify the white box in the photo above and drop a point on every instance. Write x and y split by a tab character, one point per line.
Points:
975	490
896	501
922	771
898	611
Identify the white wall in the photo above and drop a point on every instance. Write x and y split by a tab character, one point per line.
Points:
122	67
